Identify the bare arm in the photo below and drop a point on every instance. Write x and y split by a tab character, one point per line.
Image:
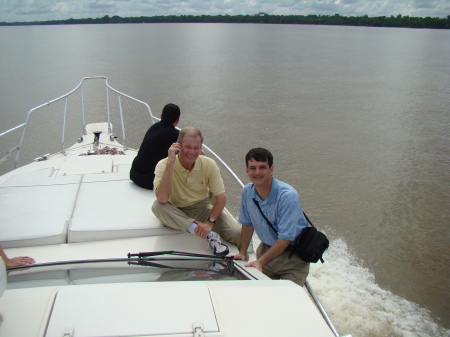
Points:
246	238
164	189
278	247
219	205
203	228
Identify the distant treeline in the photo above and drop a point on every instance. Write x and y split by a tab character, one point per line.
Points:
339	20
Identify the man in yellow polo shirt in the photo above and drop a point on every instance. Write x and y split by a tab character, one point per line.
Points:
183	183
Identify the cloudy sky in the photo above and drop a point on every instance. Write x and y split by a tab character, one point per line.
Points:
38	10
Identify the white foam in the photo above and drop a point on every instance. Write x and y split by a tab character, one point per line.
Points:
358	306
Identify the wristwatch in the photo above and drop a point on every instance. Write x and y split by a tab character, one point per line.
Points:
212	220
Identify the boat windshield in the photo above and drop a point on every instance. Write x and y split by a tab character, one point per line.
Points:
140	267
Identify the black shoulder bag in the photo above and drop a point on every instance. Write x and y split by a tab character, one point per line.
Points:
309	245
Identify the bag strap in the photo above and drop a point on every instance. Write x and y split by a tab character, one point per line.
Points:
307	219
270	224
265	218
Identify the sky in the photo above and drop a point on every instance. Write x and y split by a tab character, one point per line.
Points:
42	10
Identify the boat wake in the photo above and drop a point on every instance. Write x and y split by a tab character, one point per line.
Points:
357	305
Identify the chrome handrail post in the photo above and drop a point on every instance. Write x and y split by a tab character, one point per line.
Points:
16	161
8	153
82	109
123	125
107	107
64	127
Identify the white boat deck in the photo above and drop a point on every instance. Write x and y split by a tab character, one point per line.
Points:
102	215
146	309
77	208
60	205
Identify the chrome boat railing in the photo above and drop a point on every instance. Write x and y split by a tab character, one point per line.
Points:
54	126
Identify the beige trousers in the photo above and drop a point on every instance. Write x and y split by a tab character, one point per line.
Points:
180	219
284	266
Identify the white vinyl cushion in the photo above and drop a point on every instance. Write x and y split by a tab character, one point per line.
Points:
113	209
56	205
36	215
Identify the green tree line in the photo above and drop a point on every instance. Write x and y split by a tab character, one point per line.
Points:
339	20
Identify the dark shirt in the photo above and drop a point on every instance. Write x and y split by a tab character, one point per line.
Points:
159	137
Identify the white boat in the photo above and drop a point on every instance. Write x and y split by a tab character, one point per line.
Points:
67	202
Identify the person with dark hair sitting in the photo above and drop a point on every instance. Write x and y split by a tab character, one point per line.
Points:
159	137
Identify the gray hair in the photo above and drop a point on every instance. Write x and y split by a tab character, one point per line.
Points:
189	131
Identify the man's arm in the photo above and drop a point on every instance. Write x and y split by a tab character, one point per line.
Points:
290	211
219	204
164	189
278	247
246	238
205	227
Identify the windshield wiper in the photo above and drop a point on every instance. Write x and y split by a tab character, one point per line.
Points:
149	259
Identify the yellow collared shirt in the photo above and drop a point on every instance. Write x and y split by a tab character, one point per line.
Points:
190	187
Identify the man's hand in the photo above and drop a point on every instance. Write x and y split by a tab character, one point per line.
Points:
163	189
173	151
256	264
19	261
240	257
203	228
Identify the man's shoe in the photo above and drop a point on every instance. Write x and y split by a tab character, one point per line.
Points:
213	242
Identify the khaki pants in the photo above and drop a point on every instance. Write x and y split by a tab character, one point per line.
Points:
284	266
180	219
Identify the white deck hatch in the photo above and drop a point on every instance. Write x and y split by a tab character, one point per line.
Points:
132	309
